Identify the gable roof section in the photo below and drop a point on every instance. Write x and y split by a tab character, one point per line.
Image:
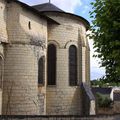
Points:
47	7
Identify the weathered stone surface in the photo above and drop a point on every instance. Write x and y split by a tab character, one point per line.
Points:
105	117
63	99
20	92
28	36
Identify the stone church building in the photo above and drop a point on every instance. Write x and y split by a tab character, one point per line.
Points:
44	61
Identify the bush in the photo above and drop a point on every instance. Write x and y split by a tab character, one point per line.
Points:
103	101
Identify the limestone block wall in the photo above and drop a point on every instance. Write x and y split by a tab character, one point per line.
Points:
20	81
1	75
27	34
67	30
3	18
0	102
88	66
30	27
20	94
1	50
62	98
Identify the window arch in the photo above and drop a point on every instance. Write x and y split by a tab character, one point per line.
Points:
41	70
72	65
51	65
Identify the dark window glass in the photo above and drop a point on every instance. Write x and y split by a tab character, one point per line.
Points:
41	70
72	65
29	25
51	65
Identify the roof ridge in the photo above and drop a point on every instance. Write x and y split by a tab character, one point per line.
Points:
47	7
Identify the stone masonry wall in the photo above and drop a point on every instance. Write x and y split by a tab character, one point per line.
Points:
1	75
25	27
27	35
102	117
63	99
3	17
67	30
1	50
20	81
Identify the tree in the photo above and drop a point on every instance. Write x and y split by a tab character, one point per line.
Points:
106	35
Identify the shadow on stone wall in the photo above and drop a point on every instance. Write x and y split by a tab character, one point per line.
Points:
61	117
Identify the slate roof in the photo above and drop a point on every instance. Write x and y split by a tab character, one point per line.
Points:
88	91
105	91
47	7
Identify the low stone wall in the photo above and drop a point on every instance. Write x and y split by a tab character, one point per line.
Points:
0	101
114	109
117	107
101	117
105	111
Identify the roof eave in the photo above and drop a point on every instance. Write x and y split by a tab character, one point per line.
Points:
87	24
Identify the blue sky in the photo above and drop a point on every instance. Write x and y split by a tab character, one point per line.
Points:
84	9
81	8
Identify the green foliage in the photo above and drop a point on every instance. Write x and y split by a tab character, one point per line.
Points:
106	35
103	101
99	83
103	83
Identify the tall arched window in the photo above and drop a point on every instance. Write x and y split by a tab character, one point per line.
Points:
51	65
41	70
72	65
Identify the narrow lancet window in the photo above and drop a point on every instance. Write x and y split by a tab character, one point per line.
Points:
72	65
51	65
29	25
41	70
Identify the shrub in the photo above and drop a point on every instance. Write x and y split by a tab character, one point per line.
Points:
103	101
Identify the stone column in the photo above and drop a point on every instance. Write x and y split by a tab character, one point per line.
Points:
83	64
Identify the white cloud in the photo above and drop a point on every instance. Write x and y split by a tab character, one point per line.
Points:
85	9
66	5
96	70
